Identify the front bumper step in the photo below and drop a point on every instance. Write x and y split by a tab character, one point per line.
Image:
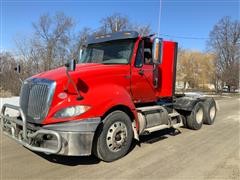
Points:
71	138
17	130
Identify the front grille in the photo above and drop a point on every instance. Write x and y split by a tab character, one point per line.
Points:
35	98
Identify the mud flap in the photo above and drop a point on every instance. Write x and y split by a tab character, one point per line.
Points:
136	136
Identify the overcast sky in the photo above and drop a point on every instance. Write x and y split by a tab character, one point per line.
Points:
185	21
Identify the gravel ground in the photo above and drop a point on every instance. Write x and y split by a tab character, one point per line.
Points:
210	153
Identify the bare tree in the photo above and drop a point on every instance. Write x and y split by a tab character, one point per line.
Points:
114	23
118	22
52	37
225	43
80	40
29	55
9	80
144	30
195	69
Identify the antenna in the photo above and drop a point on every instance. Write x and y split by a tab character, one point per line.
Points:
159	16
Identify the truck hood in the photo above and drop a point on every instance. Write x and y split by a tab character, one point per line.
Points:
59	74
88	75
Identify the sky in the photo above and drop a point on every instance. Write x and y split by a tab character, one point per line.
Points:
186	21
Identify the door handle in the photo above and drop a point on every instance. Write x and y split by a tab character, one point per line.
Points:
141	72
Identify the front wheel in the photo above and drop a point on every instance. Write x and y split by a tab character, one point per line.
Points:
114	138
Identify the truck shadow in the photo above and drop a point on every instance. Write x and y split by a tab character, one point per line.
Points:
159	135
154	137
70	160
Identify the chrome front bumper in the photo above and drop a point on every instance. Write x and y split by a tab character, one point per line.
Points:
68	138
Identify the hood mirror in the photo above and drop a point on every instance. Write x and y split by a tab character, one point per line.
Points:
17	69
71	65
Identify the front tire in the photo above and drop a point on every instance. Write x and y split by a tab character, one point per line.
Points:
195	119
114	138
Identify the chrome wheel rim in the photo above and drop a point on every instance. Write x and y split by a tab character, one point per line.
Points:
116	136
199	116
212	112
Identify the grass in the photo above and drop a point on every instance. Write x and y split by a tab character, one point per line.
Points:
4	93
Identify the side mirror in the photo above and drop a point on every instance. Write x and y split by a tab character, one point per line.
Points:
18	69
71	65
80	54
157	50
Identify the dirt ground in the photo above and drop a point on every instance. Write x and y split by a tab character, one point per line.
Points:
210	153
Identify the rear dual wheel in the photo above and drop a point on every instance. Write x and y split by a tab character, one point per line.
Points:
203	112
210	110
195	119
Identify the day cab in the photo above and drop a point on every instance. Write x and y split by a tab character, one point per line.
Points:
122	87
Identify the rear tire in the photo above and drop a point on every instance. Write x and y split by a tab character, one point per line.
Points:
114	138
195	119
184	121
210	110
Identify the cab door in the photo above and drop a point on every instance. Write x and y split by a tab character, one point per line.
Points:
142	78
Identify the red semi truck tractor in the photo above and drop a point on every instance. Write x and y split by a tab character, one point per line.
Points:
122	87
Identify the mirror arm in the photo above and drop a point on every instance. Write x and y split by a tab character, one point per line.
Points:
20	80
74	85
17	69
155	75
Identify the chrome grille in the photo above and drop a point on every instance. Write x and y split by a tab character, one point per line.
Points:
35	99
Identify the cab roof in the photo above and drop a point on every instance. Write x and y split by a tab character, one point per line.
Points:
111	37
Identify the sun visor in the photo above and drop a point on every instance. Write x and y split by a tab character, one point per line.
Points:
111	37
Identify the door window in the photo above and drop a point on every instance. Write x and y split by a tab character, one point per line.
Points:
139	57
147	56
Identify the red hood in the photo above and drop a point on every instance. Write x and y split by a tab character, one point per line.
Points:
59	74
92	81
86	75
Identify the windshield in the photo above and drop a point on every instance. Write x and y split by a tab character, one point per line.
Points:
111	52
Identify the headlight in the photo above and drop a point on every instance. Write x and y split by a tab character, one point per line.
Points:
71	111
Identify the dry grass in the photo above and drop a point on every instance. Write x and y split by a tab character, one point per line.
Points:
4	93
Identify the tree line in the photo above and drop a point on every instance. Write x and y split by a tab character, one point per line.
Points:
196	70
54	42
